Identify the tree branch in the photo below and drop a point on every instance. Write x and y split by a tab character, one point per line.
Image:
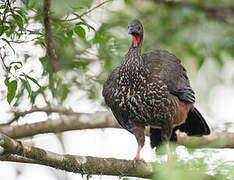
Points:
60	125
106	120
214	140
222	14
49	37
71	163
17	158
71	120
48	110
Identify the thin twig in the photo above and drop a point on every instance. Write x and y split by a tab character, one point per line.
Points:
18	114
22	41
5	66
2	59
95	7
87	12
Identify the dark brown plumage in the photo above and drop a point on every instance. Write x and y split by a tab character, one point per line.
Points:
152	89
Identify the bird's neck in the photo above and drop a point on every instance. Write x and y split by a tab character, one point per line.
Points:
133	58
134	54
134	51
132	70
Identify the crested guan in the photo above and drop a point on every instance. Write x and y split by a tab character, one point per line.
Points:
152	89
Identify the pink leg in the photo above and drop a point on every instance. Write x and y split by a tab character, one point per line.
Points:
137	155
138	152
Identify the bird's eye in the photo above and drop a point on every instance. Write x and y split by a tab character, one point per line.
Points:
139	28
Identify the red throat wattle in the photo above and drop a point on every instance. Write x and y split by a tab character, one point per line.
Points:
136	40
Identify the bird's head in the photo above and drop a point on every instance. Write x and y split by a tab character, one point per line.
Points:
135	28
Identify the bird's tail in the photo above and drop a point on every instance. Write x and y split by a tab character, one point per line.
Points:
195	125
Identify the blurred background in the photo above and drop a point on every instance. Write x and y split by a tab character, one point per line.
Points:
90	39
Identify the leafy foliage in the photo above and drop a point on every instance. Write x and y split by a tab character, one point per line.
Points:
184	30
22	23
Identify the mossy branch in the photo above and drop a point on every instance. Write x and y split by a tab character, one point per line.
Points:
19	152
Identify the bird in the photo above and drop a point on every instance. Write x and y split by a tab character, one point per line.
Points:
152	89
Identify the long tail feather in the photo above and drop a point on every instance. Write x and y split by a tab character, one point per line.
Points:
195	125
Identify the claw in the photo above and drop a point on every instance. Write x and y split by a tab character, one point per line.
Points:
135	161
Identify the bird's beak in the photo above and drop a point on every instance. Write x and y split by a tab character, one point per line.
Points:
131	30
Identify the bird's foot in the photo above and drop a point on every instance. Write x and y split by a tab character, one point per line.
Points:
171	163
169	159
136	160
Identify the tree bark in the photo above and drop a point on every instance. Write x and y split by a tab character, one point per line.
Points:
49	37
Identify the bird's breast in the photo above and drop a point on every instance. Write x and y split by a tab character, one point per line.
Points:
146	101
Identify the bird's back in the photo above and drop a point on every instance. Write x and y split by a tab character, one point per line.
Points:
169	69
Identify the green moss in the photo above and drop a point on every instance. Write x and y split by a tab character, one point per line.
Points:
71	164
34	153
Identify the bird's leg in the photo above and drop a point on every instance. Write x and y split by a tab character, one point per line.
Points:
139	132
168	152
138	153
166	134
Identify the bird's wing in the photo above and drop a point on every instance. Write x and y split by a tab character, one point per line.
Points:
109	88
168	67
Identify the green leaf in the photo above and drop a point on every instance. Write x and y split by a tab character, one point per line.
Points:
2	6
17	63
27	86
35	31
60	28
80	31
20	11
86	24
16	67
40	41
12	87
33	80
65	92
8	44
19	20
69	33
92	92
125	178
